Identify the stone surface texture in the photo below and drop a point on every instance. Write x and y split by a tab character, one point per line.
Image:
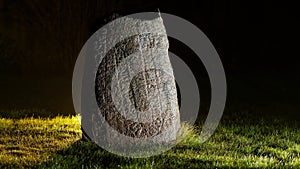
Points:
135	86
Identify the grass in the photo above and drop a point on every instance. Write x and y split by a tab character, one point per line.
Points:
241	140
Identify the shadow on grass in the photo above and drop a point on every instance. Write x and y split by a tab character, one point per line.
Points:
241	140
86	154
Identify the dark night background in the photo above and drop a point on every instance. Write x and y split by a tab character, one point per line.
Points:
256	41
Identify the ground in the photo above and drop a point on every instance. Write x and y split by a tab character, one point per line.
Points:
259	129
241	140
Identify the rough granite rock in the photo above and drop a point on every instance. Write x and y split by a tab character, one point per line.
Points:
150	106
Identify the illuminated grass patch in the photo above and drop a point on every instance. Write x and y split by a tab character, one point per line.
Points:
55	143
